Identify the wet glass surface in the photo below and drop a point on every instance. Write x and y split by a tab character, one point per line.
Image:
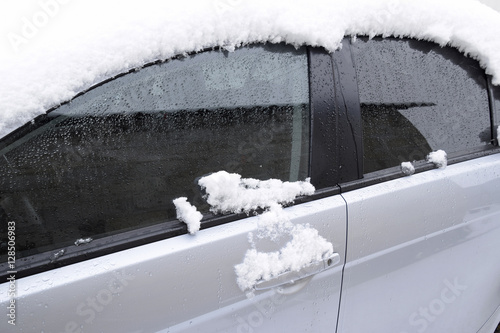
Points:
115	158
417	97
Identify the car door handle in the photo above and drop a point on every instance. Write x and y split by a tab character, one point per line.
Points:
294	276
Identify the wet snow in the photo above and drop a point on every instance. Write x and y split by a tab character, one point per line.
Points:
439	158
407	168
188	214
230	193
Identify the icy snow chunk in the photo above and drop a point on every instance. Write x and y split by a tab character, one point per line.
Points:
306	246
57	255
407	168
439	158
188	214
82	241
229	193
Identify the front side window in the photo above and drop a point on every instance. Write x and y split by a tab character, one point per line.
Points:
417	97
114	158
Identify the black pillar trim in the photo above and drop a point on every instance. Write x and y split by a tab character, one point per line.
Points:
493	112
324	155
350	126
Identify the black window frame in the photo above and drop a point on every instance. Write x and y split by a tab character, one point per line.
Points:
322	170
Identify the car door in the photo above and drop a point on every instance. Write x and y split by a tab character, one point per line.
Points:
87	193
423	250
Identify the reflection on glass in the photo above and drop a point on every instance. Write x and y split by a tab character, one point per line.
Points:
115	158
416	97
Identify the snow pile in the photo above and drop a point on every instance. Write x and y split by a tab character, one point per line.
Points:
188	214
305	247
407	168
229	193
101	39
439	158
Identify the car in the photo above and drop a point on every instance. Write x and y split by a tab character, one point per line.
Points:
269	188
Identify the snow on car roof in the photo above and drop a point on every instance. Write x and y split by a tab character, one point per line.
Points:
60	47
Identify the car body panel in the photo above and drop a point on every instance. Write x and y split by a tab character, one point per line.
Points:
422	254
184	284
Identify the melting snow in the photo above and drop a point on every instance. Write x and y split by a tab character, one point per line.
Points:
439	158
188	214
407	168
229	193
95	44
82	241
305	247
57	255
273	223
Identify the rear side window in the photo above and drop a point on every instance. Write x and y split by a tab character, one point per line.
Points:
417	97
114	158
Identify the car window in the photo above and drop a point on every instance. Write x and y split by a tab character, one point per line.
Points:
114	158
417	97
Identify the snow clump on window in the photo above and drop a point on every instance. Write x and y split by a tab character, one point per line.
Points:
439	158
229	193
82	241
188	214
407	168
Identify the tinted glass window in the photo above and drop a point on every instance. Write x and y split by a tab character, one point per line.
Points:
417	97
115	158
